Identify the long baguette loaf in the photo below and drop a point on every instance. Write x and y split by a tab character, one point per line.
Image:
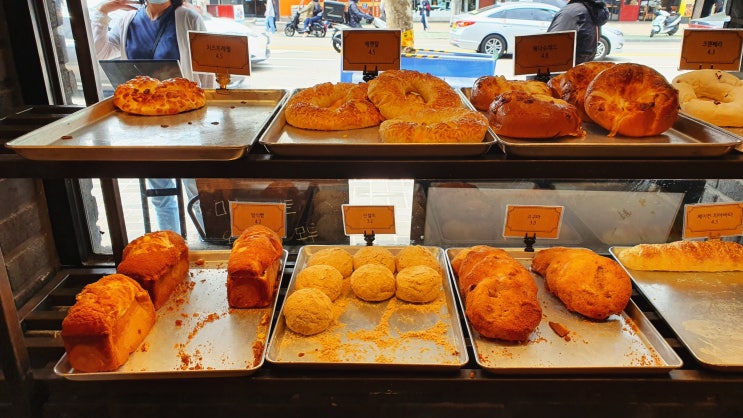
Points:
708	256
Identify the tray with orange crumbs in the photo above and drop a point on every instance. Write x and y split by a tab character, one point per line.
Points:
622	344
392	334
196	334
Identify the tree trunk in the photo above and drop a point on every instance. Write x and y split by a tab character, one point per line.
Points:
456	8
400	16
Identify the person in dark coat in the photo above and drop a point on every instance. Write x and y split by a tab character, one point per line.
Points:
585	17
355	15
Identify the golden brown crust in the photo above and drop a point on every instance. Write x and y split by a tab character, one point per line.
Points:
488	87
714	96
252	268
632	100
373	283
333	256
418	284
416	255
332	107
158	261
149	96
571	85
374	255
449	125
321	276
398	93
521	115
108	321
587	283
496	309
706	256
308	311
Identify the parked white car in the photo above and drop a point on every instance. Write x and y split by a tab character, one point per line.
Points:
492	30
258	40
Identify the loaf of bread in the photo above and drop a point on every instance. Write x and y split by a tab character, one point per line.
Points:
587	283
109	320
499	294
709	256
253	267
158	261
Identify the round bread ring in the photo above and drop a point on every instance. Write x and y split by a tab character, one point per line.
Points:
403	92
714	96
522	115
571	85
487	87
632	100
436	126
332	107
149	96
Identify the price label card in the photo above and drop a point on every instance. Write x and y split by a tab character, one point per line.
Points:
711	48
368	50
713	220
245	214
544	53
544	221
221	54
368	219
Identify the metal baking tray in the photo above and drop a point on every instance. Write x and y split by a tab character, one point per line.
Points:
705	310
382	335
224	129
196	333
688	137
623	344
283	139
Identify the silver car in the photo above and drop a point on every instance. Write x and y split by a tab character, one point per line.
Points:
492	30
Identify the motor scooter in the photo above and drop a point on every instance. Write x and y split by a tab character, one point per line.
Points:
665	22
316	28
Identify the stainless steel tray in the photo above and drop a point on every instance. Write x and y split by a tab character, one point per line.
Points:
283	139
626	343
688	137
196	333
384	335
224	129
705	310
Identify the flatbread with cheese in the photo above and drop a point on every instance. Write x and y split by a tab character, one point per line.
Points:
145	95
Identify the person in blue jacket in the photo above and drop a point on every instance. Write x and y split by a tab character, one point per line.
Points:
355	15
585	17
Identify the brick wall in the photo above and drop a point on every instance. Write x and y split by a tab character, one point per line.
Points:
26	240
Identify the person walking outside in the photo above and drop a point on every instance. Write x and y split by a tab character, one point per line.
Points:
586	18
425	11
270	17
152	29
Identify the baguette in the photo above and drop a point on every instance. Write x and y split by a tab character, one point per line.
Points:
703	256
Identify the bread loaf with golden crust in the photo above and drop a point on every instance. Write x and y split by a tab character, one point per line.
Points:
685	255
587	283
158	261
109	320
252	268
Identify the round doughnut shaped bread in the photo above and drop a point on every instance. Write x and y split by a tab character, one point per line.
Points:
398	93
333	256
418	284
571	85
632	100
486	88
522	115
321	276
373	283
449	125
308	311
713	96
416	255
149	96
332	107
374	255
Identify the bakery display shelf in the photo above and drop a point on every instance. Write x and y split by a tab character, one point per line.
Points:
224	129
196	333
283	139
622	344
704	310
388	335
